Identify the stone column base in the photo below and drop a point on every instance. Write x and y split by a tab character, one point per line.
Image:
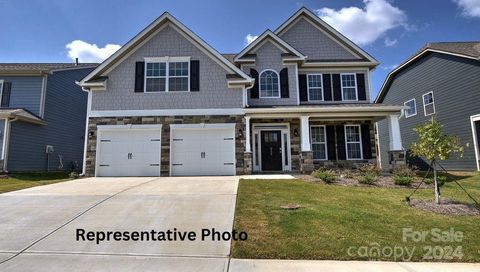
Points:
396	158
306	162
247	163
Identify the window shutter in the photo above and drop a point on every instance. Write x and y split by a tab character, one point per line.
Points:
366	142
337	87
284	93
139	76
302	85
332	154
7	89
194	75
327	87
254	89
341	143
362	92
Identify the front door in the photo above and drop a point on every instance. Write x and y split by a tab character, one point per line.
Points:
271	142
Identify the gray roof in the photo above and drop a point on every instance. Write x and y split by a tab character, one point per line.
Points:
471	49
41	67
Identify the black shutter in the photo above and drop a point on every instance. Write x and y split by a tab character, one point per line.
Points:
254	89
337	87
139	76
341	143
327	87
362	93
332	154
284	83
302	85
194	75
366	142
7	89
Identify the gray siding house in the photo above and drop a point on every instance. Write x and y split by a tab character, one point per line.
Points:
443	81
42	106
169	104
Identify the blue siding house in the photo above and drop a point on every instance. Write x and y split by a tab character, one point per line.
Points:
42	116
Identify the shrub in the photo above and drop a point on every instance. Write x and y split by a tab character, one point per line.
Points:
369	169
326	175
74	175
441	180
402	180
368	178
347	173
405	171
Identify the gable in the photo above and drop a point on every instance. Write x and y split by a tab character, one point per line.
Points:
315	43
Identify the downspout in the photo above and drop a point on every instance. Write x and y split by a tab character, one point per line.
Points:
6	141
85	145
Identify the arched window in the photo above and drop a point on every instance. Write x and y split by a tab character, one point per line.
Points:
269	84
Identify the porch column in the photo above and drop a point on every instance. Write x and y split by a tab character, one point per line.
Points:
394	133
305	133
248	147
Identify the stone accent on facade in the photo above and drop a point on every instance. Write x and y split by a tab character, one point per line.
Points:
247	161
165	144
306	162
396	158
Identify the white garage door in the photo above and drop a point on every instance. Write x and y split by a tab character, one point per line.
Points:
129	152
204	151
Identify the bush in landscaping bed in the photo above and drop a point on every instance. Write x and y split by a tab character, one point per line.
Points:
368	178
326	175
404	175
402	180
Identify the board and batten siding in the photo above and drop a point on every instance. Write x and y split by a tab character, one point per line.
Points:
455	83
26	92
65	114
214	91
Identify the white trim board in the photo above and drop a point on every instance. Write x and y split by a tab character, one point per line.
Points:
476	144
172	112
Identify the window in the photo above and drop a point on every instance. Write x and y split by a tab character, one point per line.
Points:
315	87
428	104
353	142
167	75
269	84
319	142
412	108
349	87
1	90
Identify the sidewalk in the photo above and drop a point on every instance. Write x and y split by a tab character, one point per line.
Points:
244	265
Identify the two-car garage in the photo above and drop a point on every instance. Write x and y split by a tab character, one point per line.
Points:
195	149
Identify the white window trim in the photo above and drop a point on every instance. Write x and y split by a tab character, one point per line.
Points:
346	143
415	104
325	143
321	88
167	61
356	86
424	105
1	90
260	85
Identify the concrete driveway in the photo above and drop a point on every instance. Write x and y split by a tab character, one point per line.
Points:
38	225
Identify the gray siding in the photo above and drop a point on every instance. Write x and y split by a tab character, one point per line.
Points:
213	93
65	113
268	56
26	92
315	44
455	84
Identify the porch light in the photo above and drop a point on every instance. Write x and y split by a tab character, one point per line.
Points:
295	132
240	133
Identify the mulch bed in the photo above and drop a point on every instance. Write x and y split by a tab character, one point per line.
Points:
383	182
446	206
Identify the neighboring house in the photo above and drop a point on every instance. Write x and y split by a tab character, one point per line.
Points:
443	81
41	106
167	103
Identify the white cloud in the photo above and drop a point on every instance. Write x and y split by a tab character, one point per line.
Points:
365	25
86	52
390	42
250	38
389	67
470	8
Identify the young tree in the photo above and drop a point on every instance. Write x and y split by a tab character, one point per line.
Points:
435	146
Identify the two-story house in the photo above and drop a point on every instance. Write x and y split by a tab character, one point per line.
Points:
42	116
167	103
442	80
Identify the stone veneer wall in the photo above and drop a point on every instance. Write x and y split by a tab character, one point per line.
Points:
241	167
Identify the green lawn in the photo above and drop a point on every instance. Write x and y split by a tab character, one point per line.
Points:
335	218
26	180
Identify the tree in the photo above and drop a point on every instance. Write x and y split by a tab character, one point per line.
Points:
435	146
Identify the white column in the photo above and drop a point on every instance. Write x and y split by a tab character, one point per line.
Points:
394	133
305	133
248	148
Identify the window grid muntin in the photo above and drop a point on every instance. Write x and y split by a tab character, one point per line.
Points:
412	109
315	87
318	141
166	76
349	87
269	84
428	104
353	142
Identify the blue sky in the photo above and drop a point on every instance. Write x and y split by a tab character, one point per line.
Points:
391	31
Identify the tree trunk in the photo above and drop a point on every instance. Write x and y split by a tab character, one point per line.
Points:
437	187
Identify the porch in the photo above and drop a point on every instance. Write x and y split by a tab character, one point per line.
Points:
301	139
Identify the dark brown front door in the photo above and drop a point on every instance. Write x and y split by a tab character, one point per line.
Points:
271	150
